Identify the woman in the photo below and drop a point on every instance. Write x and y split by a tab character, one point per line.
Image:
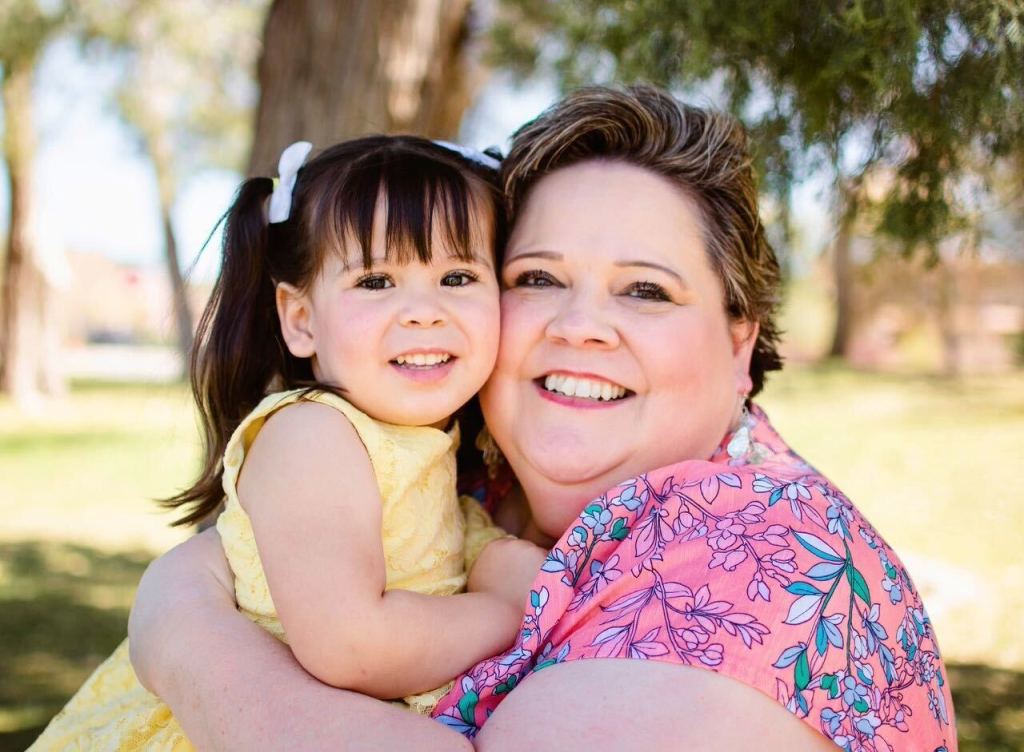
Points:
753	605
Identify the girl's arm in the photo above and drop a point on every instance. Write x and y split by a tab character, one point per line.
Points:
311	493
232	686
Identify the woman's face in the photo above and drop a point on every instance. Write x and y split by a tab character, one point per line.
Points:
616	353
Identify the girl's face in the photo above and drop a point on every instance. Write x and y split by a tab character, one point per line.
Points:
408	343
616	355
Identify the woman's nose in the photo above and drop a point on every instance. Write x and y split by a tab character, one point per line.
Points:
583	321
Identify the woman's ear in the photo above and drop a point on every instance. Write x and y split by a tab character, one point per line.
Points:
295	314
744	337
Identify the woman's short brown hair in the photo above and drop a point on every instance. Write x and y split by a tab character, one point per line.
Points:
702	151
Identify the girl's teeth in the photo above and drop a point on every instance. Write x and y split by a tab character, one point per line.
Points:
423	359
573	386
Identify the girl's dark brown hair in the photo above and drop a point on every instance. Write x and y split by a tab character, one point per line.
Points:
240	355
701	151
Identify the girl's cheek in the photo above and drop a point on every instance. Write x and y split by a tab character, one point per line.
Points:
360	318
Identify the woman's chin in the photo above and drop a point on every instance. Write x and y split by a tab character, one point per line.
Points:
569	459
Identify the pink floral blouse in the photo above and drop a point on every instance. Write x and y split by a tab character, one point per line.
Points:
757	568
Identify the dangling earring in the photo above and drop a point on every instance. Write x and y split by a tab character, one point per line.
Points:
493	458
742	440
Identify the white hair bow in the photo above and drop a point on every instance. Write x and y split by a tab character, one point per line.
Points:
471	154
288	166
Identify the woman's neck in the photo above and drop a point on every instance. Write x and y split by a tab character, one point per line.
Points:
515	513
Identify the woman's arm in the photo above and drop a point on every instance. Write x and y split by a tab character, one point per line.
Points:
311	493
233	686
628	705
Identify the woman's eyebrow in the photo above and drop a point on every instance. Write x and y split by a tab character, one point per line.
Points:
550	255
652	265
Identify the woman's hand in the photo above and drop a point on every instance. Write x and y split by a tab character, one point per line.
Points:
231	685
193	575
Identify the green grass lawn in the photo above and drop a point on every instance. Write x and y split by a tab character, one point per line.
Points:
932	463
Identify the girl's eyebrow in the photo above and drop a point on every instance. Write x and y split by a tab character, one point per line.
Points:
480	259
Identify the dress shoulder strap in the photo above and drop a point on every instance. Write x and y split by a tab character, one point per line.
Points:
368	429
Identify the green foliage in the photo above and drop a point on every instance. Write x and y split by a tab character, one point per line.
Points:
25	27
915	92
188	87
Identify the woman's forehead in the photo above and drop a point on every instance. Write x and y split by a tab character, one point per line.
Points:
598	209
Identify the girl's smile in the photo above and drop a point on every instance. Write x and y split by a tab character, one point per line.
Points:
425	368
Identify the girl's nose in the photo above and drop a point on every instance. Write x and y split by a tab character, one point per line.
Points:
583	321
422	311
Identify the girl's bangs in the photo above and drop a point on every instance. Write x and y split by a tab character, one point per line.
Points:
427	202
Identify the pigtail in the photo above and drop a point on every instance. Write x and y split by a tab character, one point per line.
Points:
238	349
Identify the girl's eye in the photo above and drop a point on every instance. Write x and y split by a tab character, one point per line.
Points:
647	291
458	279
375	282
534	278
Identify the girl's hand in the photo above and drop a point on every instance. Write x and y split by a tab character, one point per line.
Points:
507	568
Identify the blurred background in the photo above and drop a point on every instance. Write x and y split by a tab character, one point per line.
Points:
889	137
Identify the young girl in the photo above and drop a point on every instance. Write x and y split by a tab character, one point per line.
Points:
355	313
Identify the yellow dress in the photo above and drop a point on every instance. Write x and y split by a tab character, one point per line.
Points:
430	540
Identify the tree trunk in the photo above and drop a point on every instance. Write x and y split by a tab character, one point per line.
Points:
23	373
335	69
161	157
182	310
842	274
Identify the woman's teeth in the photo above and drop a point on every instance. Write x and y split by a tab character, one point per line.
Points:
423	359
572	386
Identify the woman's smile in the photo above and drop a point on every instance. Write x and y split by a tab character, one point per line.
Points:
583	390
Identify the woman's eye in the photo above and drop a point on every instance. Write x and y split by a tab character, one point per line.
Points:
458	279
534	278
647	291
375	282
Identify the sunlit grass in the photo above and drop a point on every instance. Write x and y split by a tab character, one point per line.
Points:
88	468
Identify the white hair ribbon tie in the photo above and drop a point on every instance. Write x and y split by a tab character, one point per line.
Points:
471	154
288	166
